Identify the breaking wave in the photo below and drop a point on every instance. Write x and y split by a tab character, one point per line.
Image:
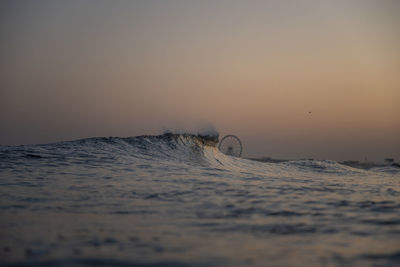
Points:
192	149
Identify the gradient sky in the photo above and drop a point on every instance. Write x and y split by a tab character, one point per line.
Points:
75	69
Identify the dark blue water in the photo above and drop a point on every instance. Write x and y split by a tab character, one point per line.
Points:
173	201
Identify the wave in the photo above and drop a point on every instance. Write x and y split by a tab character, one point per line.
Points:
192	149
169	146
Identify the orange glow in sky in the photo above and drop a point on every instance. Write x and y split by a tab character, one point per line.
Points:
293	79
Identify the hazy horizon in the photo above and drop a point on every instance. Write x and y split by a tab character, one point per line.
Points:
292	79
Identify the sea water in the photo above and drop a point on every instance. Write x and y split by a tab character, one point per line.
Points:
175	200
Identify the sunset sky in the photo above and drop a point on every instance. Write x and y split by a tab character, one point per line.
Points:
292	79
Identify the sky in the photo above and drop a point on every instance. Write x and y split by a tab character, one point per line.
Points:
292	79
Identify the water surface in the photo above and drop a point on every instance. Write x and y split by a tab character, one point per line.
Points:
172	200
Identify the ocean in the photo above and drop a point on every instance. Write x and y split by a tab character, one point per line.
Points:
176	200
